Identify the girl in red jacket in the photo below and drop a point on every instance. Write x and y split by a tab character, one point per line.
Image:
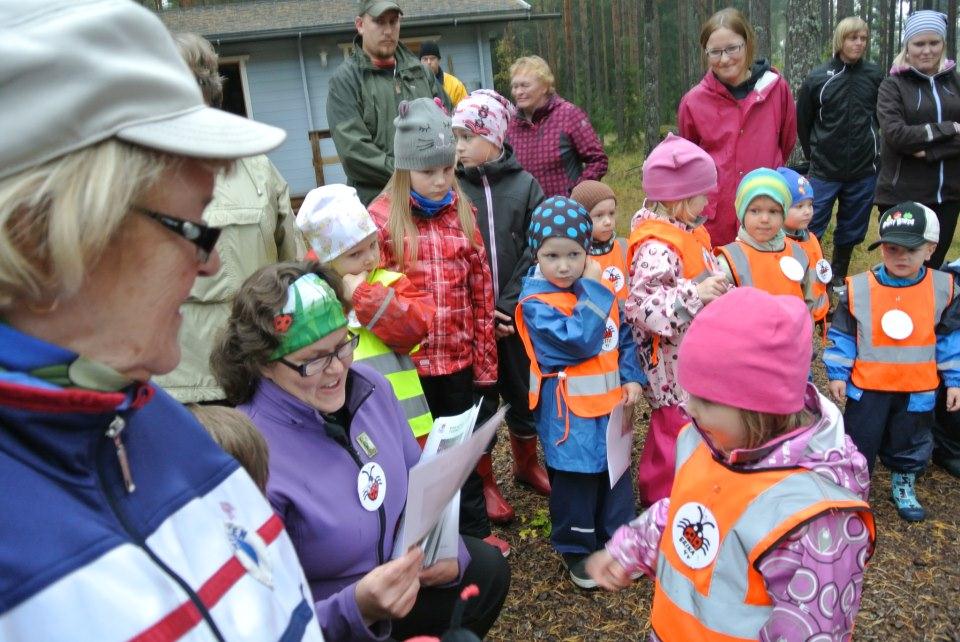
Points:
428	231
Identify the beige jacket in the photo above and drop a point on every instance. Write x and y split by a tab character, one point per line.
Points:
252	205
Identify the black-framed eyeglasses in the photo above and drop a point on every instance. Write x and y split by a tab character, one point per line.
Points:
315	366
730	50
203	236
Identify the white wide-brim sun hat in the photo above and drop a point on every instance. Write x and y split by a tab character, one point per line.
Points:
77	72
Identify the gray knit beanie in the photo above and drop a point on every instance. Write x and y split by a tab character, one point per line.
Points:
424	137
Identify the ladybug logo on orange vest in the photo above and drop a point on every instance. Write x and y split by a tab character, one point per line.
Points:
695	535
611	336
614	277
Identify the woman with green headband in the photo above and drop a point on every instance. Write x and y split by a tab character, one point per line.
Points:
340	451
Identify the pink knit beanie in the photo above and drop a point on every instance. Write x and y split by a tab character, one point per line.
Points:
677	169
485	113
749	349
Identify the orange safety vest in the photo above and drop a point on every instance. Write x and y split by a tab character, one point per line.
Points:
724	521
693	247
816	271
615	269
751	267
891	365
590	388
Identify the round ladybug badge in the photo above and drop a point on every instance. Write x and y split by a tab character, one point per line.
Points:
611	335
614	277
372	486
824	271
695	535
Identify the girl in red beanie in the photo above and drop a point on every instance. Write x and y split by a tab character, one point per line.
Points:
767	531
673	274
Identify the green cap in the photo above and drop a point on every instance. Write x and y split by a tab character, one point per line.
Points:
376	7
312	312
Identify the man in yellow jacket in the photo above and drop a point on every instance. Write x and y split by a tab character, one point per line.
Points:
430	57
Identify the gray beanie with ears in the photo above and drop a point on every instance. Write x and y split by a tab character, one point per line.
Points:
424	137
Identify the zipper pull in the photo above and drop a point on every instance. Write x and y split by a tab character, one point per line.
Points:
113	432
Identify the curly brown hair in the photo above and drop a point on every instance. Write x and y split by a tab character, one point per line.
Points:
243	347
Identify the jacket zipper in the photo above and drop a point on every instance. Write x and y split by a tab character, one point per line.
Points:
381	512
494	266
936	100
876	152
113	433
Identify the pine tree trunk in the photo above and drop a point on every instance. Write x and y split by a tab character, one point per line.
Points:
607	38
618	79
803	47
952	48
685	51
569	73
584	81
651	81
844	10
825	8
760	19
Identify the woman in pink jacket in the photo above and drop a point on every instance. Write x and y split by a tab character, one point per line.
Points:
742	114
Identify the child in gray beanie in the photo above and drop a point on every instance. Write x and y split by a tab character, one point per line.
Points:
428	231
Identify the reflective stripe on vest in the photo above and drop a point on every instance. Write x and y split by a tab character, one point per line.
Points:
821	300
590	388
745	515
398	369
752	267
614	270
693	247
886	364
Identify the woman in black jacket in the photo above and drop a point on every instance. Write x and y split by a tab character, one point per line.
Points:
837	128
919	112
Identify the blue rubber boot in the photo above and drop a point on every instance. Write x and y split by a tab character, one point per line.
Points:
905	498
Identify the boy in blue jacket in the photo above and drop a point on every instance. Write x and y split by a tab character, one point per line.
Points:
583	363
894	333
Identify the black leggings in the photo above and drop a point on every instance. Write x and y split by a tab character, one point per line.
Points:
431	613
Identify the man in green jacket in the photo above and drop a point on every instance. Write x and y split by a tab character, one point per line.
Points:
365	92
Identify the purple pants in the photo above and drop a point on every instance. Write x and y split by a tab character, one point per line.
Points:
658	459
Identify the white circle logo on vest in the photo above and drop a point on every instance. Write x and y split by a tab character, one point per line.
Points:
372	486
614	277
824	271
695	535
791	268
896	324
611	335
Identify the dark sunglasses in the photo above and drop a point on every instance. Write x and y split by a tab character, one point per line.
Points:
203	236
321	363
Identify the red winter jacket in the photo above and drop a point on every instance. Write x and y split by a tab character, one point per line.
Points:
740	136
456	273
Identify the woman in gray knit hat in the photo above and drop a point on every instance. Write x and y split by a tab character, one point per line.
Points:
428	231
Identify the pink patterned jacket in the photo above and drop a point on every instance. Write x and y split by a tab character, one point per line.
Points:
814	577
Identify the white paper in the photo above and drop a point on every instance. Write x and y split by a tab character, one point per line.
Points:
432	483
619	443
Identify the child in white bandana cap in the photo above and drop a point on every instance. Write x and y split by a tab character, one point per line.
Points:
389	313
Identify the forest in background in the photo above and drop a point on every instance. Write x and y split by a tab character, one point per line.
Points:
628	62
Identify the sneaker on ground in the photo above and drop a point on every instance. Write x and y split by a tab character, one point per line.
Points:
498	543
904	497
577	567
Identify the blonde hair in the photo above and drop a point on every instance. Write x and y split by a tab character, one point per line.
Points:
401	229
56	219
846	28
679	210
902	60
736	22
536	66
236	434
203	62
761	427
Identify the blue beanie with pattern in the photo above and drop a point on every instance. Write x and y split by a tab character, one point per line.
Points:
559	217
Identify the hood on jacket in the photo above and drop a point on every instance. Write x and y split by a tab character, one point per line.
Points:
507	163
541	112
822	447
948	67
756	82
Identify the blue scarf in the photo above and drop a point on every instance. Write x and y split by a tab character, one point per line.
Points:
429	207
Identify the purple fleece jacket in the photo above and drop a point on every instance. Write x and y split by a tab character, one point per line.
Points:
814	577
313	487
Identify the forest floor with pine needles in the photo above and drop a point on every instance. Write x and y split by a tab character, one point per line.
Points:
911	588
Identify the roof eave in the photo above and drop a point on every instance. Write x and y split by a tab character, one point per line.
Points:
348	27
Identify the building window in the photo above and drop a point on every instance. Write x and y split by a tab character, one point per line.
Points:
236	94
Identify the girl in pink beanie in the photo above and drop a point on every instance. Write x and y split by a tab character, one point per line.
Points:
767	531
673	275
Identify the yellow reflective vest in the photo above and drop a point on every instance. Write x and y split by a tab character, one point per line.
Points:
397	368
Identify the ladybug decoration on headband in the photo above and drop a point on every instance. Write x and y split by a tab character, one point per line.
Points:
282	322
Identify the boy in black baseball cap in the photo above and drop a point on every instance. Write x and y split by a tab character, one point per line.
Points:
891	340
